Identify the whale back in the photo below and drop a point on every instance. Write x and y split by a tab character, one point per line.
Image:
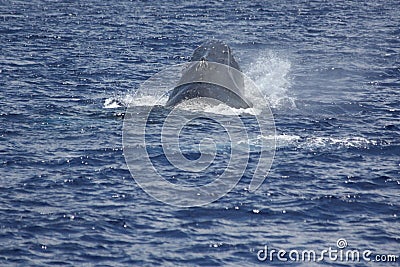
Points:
215	51
214	73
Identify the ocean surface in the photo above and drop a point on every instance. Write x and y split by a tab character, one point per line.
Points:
330	71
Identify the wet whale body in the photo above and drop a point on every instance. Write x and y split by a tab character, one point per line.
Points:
213	73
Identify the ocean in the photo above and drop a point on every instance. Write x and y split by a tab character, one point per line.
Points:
72	193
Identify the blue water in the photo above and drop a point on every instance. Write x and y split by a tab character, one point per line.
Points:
330	69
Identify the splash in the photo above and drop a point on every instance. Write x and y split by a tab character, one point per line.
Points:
270	72
133	99
200	105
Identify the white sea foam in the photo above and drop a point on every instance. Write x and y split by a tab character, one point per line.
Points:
314	142
200	105
348	142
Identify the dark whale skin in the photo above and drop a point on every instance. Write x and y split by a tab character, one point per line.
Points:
218	52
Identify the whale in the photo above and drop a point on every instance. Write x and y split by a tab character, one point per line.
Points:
212	73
